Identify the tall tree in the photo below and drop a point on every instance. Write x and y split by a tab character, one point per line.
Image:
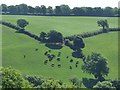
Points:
38	10
43	9
4	8
65	9
50	10
31	10
97	65
23	9
12	9
58	10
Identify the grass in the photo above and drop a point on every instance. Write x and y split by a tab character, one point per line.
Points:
15	46
65	25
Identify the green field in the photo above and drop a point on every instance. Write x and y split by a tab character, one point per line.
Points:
15	46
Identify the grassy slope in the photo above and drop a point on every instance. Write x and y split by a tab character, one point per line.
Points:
15	46
66	25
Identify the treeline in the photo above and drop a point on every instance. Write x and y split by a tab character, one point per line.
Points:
62	10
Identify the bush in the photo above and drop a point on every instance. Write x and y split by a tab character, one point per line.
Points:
12	78
36	81
22	23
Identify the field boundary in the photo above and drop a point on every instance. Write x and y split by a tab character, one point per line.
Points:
71	38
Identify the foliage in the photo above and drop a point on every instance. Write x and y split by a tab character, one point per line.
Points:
12	78
36	81
22	23
50	83
116	84
78	43
104	24
76	82
104	85
97	65
55	37
59	10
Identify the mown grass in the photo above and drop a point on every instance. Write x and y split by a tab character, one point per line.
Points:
16	45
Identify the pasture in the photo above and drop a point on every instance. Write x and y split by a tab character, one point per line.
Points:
27	55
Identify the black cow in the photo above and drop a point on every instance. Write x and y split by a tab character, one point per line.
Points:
71	60
52	65
58	59
45	62
59	65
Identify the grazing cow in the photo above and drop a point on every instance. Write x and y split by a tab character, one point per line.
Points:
59	53
52	65
49	50
67	57
76	65
46	53
45	62
71	60
24	56
70	67
59	65
36	49
53	56
58	59
77	62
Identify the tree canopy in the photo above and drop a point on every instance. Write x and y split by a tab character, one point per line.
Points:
97	65
64	10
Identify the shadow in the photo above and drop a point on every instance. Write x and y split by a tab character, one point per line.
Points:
78	54
54	46
89	83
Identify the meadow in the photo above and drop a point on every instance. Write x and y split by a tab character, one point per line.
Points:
15	46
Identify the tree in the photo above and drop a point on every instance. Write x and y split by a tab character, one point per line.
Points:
4	8
78	43
104	24
23	9
58	10
12	9
97	65
31	10
50	10
104	85
22	23
12	78
43	9
65	9
55	37
43	35
38	10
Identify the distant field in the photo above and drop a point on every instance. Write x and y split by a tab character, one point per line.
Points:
15	46
66	25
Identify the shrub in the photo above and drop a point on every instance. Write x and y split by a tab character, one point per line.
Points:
22	23
12	78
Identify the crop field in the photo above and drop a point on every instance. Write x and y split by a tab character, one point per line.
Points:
27	55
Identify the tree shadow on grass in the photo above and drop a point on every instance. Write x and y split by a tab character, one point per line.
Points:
89	83
54	46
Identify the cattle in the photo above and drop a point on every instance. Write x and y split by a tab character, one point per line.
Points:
46	53
36	49
45	62
59	65
76	65
24	56
49	50
77	62
58	59
52	65
71	60
67	57
70	67
59	53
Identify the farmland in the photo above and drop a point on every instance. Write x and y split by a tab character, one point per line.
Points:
15	46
